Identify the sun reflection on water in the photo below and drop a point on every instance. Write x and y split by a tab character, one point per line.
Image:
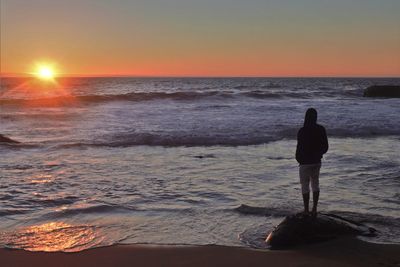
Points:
54	236
42	179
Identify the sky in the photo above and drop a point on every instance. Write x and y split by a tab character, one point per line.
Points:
202	37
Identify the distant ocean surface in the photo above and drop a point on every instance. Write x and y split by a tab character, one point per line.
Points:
173	161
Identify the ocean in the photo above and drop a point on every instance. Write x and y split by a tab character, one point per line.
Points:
187	161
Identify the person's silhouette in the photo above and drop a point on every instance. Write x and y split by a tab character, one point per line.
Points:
312	143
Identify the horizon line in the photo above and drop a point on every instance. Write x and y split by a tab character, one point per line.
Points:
13	75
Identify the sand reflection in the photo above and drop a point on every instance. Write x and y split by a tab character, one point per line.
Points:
54	236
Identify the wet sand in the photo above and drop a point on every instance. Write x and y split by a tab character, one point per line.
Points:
344	252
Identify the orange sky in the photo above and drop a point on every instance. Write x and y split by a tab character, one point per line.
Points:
202	38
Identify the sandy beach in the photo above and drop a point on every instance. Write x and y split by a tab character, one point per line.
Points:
344	252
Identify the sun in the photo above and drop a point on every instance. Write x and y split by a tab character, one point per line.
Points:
45	72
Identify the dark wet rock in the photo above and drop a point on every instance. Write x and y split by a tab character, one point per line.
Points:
382	91
4	139
206	156
302	229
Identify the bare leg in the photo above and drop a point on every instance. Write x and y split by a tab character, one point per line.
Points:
315	202
306	201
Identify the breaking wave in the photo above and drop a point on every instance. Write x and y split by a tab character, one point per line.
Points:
133	97
100	209
174	141
178	96
196	139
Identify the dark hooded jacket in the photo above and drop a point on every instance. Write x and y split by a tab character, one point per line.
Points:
312	141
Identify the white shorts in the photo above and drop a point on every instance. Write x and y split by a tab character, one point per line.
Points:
309	173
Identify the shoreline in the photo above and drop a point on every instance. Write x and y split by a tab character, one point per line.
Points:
339	252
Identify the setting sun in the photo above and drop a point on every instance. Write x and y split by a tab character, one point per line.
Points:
45	72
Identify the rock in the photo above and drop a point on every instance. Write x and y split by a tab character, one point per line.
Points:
382	91
206	156
302	229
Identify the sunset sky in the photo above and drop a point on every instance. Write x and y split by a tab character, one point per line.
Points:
202	37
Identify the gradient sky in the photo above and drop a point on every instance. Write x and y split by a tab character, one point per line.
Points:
203	37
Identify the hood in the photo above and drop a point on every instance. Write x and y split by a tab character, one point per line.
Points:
311	117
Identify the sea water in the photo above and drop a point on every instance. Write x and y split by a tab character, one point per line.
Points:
193	161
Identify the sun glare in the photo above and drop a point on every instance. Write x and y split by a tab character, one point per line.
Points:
45	72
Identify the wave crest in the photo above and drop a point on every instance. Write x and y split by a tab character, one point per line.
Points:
136	97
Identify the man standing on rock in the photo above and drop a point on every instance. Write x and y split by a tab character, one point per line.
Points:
312	143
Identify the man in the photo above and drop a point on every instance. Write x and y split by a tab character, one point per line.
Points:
312	143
